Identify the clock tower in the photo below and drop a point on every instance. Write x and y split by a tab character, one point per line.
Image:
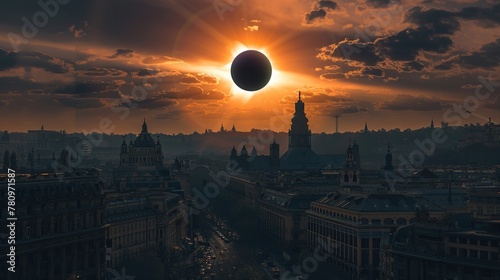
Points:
299	135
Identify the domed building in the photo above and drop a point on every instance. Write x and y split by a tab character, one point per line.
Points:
141	165
143	151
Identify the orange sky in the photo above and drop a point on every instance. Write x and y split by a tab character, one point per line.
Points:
384	63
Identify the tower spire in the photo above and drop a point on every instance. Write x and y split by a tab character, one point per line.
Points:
299	95
144	126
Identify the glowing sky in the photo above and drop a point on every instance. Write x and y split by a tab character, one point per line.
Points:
388	63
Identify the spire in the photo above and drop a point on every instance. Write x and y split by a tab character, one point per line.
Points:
388	159
432	123
144	126
254	151
222	127
366	127
299	134
233	129
244	152
42	126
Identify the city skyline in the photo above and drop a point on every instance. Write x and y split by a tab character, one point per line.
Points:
389	63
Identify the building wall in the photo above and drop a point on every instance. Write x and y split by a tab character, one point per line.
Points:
60	231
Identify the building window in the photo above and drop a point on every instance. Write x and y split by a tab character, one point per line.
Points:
365	243
388	221
401	221
473	254
28	232
453	251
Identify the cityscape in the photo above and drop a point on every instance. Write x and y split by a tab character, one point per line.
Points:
246	140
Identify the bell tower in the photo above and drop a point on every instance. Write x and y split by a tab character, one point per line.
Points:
299	135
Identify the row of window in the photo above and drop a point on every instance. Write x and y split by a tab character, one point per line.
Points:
363	221
473	254
58	225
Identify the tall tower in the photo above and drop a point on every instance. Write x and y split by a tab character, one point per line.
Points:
299	135
388	159
349	175
274	154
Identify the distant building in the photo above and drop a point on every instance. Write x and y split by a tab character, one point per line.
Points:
255	161
60	227
282	216
448	249
299	155
349	174
487	134
141	225
143	151
354	223
141	165
459	246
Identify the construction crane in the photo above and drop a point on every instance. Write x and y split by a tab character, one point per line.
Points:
337	123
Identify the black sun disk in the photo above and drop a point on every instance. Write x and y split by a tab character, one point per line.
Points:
251	70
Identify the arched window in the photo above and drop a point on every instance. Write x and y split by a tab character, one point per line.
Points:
388	221
401	221
355	178
346	178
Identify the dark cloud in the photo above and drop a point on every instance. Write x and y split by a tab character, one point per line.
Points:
431	32
348	50
195	93
314	15
413	66
122	53
407	44
326	4
485	16
101	72
87	103
153	103
86	89
381	3
9	60
18	85
433	21
487	57
404	102
350	109
372	71
145	72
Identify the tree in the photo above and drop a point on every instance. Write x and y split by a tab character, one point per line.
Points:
5	160
13	160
